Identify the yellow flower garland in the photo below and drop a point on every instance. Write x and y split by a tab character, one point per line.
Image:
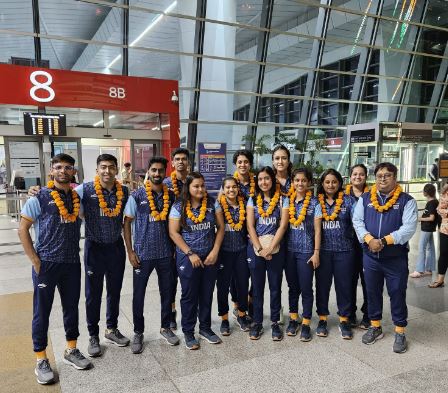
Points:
337	208
63	212
273	202
285	194
228	216
174	182
158	216
202	211
292	208
103	204
251	182
348	189
374	199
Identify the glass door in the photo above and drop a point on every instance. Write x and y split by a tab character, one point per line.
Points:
142	151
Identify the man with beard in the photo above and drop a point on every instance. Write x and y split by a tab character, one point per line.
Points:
147	209
54	211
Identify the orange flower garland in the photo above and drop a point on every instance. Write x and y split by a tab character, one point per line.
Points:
108	212
202	211
374	199
348	189
273	202
174	182
70	217
251	182
285	194
158	216
228	216
292	209
337	208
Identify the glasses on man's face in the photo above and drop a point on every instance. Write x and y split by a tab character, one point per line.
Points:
386	176
59	168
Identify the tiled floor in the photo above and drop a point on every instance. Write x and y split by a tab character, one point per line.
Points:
322	365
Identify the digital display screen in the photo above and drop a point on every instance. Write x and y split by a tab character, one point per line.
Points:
43	124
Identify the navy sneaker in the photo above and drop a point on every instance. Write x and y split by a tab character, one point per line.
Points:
305	333
225	328
321	329
190	341
210	336
353	321
277	332
293	327
173	323
346	330
256	331
365	323
400	344
372	335
244	323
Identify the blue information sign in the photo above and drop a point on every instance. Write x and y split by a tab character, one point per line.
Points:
212	164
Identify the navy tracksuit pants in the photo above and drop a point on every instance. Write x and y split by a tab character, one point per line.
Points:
164	269
340	265
103	260
291	274
197	293
174	281
358	274
232	266
67	278
395	272
304	279
258	267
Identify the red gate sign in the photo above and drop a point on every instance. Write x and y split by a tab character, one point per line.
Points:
59	88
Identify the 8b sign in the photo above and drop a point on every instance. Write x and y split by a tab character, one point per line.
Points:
117	92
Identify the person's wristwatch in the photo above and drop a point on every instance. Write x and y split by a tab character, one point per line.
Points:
383	242
190	253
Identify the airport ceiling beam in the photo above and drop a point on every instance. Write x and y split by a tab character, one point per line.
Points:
125	39
201	12
262	52
36	30
364	61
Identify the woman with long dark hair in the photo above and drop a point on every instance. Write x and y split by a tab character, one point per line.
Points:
336	254
281	162
357	187
267	221
197	229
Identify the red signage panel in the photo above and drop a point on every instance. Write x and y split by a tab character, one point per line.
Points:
60	88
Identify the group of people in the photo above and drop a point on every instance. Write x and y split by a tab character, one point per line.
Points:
262	224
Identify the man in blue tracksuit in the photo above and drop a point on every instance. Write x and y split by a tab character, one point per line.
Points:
385	219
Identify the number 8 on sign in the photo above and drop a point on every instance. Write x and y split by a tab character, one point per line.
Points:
41	86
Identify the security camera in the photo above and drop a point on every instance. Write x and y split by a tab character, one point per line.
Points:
174	98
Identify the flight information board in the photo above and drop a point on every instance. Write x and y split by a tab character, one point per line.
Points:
43	124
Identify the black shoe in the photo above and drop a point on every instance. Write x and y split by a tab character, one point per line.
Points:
365	323
372	335
190	342
94	348
210	336
137	343
277	332
353	321
173	323
400	344
305	333
225	328
256	331
321	329
346	330
244	323
293	327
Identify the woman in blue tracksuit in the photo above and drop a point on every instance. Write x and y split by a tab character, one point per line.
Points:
304	238
232	263
336	255
197	229
267	221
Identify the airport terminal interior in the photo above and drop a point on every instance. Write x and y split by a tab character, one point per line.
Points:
338	82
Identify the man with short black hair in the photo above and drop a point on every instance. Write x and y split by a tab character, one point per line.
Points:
385	219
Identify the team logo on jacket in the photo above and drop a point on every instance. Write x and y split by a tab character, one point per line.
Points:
89	273
396	206
137	271
331	225
143	202
94	196
42	285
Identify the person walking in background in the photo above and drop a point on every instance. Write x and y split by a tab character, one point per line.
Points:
127	175
434	170
426	261
442	210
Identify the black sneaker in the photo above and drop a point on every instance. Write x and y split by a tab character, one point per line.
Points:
293	327
137	343
346	330
365	323
169	336
94	348
173	323
190	342
256	331
321	329
244	323
305	333
400	344
277	332
353	321
210	336
225	328
372	335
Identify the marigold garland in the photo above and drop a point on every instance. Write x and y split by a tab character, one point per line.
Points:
70	217
337	208
158	216
251	182
202	211
272	203
285	194
292	209
374	199
109	212
174	183
348	189
228	216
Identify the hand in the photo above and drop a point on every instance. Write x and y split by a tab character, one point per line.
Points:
196	261
33	190
314	261
211	258
36	265
134	259
375	245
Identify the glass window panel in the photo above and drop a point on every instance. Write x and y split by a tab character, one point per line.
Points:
176	7
403	9
13	114
14	46
346	27
437	13
277	77
16	15
284	49
135	121
291	16
220	106
155	65
78	117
